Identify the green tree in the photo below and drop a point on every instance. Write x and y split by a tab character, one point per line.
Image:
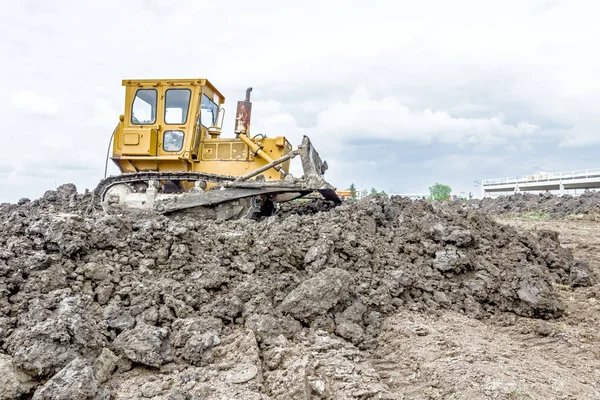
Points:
364	193
374	191
439	191
383	194
352	190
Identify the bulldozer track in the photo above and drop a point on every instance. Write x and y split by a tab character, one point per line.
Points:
146	176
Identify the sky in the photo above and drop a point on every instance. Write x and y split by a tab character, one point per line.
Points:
395	95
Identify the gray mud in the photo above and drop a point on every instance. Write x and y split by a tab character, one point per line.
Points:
290	307
588	203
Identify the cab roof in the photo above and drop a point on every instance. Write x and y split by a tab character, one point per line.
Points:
173	82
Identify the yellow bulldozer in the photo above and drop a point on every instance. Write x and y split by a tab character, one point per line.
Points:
171	155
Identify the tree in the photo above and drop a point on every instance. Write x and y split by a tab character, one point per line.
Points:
383	194
364	193
352	190
374	191
439	191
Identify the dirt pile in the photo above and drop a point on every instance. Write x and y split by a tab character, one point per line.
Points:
122	306
556	206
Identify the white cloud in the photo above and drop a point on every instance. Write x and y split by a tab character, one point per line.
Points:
33	103
587	134
362	117
104	114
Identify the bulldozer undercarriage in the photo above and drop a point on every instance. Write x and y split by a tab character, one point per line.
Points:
226	200
230	197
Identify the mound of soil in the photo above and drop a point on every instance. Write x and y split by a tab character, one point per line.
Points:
120	306
556	206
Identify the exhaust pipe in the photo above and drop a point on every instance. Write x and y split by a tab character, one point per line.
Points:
242	115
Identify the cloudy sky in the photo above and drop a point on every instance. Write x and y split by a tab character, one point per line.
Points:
395	94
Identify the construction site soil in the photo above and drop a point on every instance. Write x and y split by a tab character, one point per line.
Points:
588	203
375	299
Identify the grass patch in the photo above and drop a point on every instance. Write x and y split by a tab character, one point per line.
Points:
536	215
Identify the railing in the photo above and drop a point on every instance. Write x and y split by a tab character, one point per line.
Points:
544	177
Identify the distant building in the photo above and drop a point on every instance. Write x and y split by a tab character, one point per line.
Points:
345	194
565	182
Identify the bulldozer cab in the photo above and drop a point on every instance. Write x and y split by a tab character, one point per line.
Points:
174	125
167	119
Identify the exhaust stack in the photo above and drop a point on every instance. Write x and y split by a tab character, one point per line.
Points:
242	116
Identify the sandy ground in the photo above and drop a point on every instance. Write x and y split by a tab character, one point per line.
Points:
452	356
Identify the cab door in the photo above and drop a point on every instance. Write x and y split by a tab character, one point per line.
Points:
140	130
176	118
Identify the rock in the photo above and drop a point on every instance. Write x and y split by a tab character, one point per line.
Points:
184	329
227	307
354	313
581	275
76	381
198	347
350	331
105	365
145	345
66	191
117	318
55	337
96	272
542	328
319	388
103	292
181	309
266	326
14	383
317	295
153	389
289	378
124	365
446	260
50	196
459	237
242	373
318	255
530	294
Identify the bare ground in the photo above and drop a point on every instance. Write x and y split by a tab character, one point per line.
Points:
452	356
379	299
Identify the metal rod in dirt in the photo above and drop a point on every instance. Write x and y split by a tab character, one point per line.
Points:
270	165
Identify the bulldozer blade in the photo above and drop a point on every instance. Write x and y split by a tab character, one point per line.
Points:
239	190
330	194
312	164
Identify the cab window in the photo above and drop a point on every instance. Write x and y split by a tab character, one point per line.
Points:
177	103
209	112
173	141
143	109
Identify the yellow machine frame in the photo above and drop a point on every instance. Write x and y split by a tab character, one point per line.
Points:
140	146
